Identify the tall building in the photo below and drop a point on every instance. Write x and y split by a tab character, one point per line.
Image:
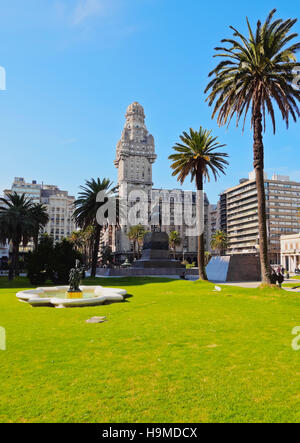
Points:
135	156
214	221
59	206
238	214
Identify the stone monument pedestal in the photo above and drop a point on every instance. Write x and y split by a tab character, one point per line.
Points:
156	253
234	268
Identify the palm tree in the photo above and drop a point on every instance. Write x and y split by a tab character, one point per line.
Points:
136	234
77	238
198	157
87	207
219	241
256	71
40	218
174	241
207	257
88	235
16	225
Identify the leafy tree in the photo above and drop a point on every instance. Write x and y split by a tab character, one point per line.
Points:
65	257
174	241
219	241
256	72
16	225
41	261
136	234
87	206
198	157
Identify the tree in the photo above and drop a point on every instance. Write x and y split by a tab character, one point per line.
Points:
40	218
87	207
65	256
77	238
174	241
207	257
16	225
198	157
136	234
219	241
41	261
256	72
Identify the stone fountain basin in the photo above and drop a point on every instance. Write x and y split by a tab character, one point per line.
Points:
56	296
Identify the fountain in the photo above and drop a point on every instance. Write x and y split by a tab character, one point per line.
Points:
73	295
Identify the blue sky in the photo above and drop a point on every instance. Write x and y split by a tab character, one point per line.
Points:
73	66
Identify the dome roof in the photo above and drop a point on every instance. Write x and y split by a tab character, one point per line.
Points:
135	108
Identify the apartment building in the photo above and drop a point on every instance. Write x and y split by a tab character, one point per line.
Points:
238	213
214	221
59	206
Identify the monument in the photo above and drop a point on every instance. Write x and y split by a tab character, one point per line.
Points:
156	253
234	268
74	280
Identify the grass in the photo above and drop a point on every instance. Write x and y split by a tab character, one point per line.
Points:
174	352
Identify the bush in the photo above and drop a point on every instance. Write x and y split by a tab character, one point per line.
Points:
190	265
39	262
38	279
50	262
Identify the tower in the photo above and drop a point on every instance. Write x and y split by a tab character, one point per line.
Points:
135	152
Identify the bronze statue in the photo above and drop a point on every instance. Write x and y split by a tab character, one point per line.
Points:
75	277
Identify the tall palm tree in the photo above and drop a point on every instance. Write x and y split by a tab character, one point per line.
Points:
86	210
136	234
198	157
40	218
174	241
219	241
88	235
256	72
16	225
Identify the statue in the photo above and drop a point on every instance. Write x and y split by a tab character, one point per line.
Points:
75	277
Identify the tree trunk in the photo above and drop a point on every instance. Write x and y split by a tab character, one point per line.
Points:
36	240
95	251
17	264
11	266
258	153
200	217
14	260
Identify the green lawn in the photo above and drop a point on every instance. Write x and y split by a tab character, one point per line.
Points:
175	351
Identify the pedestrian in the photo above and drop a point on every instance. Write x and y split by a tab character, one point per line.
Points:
273	277
280	279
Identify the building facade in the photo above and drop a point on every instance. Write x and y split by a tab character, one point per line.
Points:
214	222
239	218
135	156
59	206
290	252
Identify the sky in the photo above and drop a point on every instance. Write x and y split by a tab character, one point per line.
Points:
73	66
